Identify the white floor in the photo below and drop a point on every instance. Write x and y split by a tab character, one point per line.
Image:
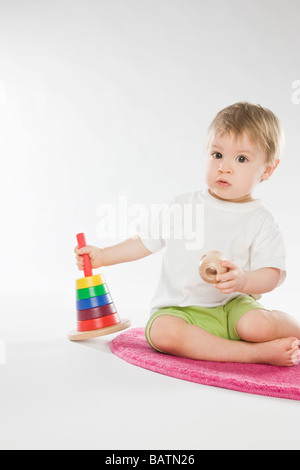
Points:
61	395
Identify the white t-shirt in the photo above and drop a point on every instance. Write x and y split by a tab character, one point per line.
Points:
194	223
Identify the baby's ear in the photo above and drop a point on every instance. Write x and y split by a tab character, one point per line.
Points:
270	170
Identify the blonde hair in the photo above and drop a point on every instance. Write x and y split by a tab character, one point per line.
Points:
261	125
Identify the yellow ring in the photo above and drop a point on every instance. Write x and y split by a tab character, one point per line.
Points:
90	281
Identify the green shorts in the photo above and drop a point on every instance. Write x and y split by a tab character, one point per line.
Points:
220	321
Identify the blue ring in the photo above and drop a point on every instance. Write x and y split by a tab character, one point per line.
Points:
94	302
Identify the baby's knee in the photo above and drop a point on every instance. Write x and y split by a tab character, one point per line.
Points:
257	326
165	332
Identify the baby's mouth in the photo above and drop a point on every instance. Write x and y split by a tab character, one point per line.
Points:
222	182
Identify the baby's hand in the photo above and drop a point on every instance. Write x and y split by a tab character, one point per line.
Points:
94	253
232	281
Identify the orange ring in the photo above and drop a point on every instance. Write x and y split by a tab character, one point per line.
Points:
90	281
98	323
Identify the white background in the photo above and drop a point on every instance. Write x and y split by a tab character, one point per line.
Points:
112	98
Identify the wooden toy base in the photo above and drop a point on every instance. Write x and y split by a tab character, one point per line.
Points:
81	336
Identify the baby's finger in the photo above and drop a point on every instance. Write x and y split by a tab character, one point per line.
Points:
228	264
224	286
229	276
79	260
227	291
86	250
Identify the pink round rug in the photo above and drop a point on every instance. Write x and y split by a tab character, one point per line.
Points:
259	379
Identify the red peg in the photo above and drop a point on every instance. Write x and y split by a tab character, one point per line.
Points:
87	262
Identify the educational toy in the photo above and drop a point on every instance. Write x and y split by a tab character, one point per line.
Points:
96	312
210	266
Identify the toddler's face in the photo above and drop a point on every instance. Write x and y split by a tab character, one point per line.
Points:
235	166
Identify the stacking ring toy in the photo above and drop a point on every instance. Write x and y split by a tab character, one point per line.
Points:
96	312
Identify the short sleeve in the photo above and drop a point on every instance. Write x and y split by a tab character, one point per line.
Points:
268	249
152	229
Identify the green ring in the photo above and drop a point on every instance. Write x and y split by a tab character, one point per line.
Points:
90	292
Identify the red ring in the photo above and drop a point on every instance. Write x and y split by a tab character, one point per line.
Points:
98	323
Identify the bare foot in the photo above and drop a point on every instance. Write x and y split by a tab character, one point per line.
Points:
281	352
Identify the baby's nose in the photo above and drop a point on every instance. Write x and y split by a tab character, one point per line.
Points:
225	168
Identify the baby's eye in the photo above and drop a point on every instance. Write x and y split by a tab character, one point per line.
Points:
241	159
217	155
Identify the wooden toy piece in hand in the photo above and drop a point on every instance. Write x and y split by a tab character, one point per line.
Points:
210	266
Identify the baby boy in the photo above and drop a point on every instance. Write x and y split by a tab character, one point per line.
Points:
223	321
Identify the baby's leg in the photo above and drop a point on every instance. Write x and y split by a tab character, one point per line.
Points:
175	336
262	325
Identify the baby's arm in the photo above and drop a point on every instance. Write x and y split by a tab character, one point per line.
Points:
254	282
261	280
129	250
